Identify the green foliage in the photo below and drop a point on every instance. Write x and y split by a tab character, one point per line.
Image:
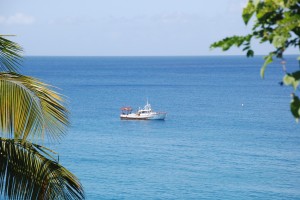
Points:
237	41
292	79
276	22
10	57
29	107
27	173
268	60
248	12
295	106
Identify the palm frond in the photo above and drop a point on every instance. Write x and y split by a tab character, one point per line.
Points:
27	173
10	55
28	107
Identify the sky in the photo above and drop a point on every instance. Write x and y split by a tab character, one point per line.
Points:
123	27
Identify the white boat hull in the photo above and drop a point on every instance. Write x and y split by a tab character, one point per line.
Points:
148	116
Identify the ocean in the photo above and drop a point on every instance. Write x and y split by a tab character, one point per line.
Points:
228	133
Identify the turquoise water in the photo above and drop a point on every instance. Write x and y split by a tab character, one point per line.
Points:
228	133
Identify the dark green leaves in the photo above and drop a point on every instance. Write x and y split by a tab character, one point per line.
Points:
276	22
265	10
237	41
250	53
295	106
248	11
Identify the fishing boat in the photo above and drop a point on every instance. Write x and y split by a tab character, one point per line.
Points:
142	114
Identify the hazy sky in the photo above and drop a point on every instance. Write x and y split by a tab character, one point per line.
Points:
122	27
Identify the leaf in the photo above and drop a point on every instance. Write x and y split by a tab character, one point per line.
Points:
248	12
296	75
25	173
292	79
288	80
268	59
279	41
29	107
228	42
10	55
265	10
279	2
250	53
289	3
295	84
246	48
295	106
256	2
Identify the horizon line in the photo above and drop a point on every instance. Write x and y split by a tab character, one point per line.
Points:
149	55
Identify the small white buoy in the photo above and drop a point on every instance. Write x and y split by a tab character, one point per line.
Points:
242	104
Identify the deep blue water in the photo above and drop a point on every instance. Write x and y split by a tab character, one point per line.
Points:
209	146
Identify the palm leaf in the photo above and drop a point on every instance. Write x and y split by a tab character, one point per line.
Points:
27	173
10	55
29	107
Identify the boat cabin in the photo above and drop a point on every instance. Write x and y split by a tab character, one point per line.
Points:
126	110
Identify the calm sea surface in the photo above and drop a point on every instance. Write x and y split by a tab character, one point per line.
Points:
228	133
